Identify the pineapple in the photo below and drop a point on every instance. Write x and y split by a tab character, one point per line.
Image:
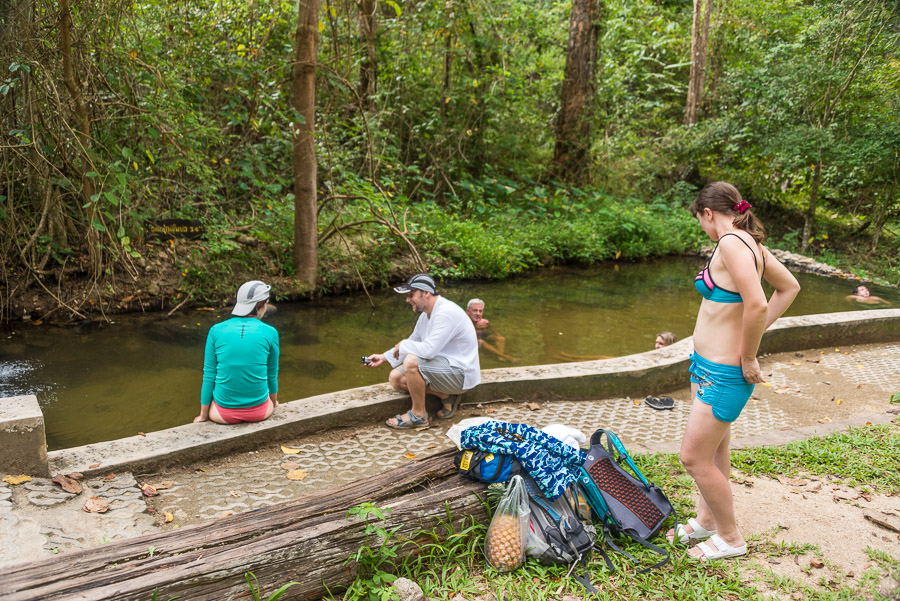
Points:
503	546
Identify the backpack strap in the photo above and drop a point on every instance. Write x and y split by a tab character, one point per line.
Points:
655	549
598	546
584	579
647	544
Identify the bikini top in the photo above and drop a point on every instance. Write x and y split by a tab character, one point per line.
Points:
708	288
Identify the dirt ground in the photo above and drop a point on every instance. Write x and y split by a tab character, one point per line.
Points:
819	512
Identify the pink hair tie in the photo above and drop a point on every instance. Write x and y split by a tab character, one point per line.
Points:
742	207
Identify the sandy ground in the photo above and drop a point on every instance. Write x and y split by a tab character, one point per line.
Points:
820	512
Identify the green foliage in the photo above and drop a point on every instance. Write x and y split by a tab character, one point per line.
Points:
256	593
372	582
448	151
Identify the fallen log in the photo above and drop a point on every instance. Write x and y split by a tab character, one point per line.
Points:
307	540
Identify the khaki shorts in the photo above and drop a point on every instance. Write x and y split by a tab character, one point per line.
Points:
440	376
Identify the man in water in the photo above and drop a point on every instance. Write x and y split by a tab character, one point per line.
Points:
240	366
439	358
861	294
489	339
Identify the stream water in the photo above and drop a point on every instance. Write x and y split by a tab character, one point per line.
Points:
143	372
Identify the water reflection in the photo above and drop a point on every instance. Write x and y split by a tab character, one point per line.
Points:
144	373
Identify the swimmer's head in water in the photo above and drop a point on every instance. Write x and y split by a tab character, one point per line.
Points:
475	309
861	291
665	339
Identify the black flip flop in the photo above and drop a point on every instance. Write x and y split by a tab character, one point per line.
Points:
661	402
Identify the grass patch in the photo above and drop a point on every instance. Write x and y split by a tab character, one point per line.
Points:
865	456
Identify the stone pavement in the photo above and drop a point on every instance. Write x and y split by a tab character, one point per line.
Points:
812	392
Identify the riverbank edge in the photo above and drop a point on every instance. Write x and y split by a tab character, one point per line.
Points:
94	307
633	375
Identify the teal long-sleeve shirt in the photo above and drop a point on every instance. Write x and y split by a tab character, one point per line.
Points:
240	366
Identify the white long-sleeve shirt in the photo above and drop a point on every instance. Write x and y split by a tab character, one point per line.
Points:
448	332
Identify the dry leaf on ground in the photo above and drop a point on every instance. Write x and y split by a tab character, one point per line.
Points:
169	517
296	475
289	450
109	476
16	480
96	505
149	491
68	484
533	406
76	476
409	456
94	466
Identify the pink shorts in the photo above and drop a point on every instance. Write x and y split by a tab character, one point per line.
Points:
257	413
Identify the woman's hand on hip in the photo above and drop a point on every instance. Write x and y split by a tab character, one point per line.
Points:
752	373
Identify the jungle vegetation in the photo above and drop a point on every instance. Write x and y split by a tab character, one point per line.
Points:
333	144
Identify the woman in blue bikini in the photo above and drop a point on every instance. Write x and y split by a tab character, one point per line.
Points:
732	318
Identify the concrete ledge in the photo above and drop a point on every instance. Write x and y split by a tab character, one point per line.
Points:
23	443
633	375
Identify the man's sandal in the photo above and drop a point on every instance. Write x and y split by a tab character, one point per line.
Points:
453	400
699	533
408	420
719	549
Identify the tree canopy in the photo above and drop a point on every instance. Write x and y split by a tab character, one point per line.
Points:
434	132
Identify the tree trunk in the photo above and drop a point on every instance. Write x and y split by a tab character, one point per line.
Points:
881	215
367	68
810	217
306	540
83	137
445	80
304	91
571	159
699	47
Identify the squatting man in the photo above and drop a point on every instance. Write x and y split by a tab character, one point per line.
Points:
440	358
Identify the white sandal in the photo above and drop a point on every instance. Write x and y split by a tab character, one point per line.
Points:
720	550
699	533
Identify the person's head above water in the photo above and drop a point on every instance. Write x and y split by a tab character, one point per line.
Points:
862	291
475	309
249	296
665	339
723	198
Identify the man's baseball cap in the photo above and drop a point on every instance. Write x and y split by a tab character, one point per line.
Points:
248	295
420	281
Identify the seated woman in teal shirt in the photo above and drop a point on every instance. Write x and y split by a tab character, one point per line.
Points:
240	367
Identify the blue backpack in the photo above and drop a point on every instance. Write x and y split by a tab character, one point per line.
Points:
485	466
